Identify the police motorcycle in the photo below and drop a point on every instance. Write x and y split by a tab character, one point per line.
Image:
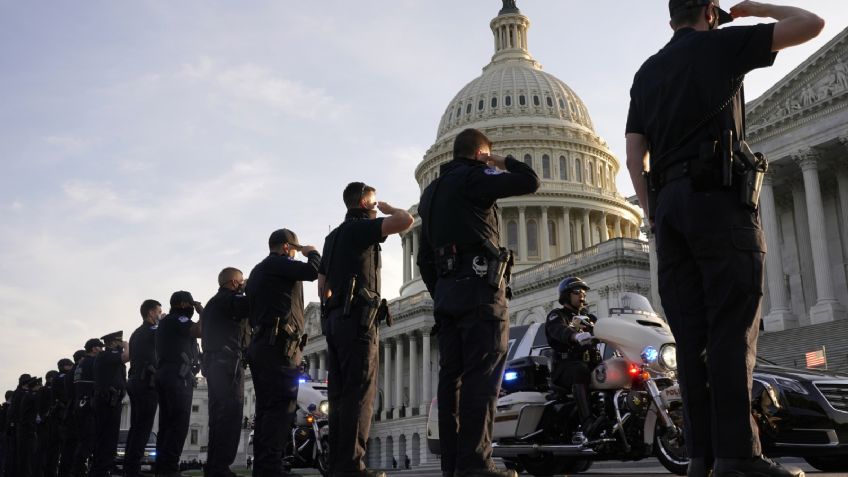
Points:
633	391
309	446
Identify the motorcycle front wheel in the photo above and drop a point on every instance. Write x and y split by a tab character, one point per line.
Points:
323	459
670	448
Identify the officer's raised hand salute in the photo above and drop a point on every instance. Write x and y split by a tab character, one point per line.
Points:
466	272
686	130
275	294
175	338
349	287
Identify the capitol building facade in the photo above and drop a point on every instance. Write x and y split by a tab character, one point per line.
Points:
578	224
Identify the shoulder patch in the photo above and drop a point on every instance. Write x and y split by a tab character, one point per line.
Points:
184	319
553	316
491	171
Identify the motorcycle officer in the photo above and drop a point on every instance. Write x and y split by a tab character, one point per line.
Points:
574	354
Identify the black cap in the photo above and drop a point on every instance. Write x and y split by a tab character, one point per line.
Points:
33	381
92	343
281	236
51	375
178	297
64	362
116	336
24	379
78	354
675	5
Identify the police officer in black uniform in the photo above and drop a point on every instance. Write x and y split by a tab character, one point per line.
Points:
687	111
48	427
275	293
176	338
61	404
67	420
83	408
464	270
141	387
110	385
349	284
26	435
224	336
574	354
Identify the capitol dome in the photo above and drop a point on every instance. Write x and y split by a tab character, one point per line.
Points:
537	118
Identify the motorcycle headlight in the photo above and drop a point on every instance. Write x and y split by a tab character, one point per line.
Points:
324	407
668	356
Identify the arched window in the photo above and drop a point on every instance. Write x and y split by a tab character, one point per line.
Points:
532	238
536	101
512	235
480	105
591	168
468	109
600	176
528	159
561	103
578	170
546	166
563	168
552	235
494	102
549	101
522	100
508	101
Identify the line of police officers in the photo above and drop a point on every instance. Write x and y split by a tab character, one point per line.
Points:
462	265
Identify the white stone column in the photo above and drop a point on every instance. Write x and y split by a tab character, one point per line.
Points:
546	236
827	308
604	229
617	230
413	372
587	229
522	235
407	253
842	186
415	243
568	247
779	317
398	374
322	365
426	391
388	404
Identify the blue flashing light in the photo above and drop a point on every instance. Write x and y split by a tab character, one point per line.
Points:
650	354
301	380
152	453
510	376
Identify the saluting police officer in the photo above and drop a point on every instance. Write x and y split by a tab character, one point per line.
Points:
67	426
83	409
48	427
686	126
176	338
62	403
140	386
110	384
275	292
465	270
223	341
349	287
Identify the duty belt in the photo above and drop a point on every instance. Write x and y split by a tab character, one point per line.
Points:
675	171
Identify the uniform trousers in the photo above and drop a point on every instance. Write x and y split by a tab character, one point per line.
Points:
275	376
473	335
86	432
26	450
710	252
143	404
352	361
108	421
49	444
68	435
175	392
225	378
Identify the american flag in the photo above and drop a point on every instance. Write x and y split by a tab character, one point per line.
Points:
816	358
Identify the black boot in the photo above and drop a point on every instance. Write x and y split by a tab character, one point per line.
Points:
759	466
700	467
588	421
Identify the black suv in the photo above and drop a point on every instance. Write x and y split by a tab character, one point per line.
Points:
149	456
802	413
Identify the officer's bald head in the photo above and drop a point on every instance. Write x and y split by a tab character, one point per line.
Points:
228	275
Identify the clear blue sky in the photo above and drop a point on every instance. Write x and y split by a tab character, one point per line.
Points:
146	145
